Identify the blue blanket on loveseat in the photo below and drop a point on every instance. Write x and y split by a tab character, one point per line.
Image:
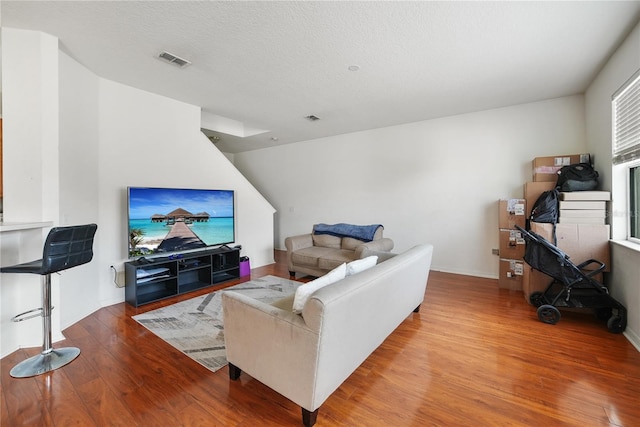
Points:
360	232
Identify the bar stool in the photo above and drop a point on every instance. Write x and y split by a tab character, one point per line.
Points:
65	247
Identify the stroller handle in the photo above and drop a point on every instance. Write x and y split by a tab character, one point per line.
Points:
601	266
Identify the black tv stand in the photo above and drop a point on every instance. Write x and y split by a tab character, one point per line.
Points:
149	280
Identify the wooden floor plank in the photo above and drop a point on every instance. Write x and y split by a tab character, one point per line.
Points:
474	355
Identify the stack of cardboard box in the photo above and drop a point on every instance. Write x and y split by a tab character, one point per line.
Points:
582	234
512	244
584	207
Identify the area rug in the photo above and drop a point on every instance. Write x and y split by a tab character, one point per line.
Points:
195	326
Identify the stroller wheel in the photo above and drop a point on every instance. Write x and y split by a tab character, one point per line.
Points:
536	299
548	314
603	313
617	324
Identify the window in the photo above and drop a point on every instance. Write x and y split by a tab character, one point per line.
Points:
626	146
626	121
634	202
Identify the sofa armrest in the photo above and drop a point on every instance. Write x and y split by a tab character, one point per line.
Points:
381	245
382	255
301	241
295	243
272	345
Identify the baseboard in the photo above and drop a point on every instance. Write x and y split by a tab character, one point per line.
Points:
464	272
633	338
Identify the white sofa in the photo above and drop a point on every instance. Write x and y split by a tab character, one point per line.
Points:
306	357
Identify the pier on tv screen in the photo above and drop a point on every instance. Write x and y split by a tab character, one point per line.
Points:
164	220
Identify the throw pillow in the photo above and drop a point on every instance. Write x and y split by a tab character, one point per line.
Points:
305	291
361	264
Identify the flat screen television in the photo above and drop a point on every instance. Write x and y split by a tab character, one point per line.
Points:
165	220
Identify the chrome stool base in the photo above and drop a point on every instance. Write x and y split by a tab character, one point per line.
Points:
43	363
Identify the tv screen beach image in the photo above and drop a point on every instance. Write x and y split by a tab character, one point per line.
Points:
163	220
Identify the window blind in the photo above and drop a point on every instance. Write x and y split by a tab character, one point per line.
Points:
626	120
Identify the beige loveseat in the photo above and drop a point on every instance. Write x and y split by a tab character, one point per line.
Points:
317	254
306	357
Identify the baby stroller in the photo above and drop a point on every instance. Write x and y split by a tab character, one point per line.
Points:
572	287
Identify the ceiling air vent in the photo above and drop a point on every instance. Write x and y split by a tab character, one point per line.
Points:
312	118
171	58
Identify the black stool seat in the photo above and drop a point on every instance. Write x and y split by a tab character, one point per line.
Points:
64	248
33	267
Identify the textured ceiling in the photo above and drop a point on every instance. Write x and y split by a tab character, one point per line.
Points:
266	65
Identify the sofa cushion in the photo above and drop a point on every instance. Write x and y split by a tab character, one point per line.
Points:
285	303
309	256
334	258
326	241
349	243
305	291
361	264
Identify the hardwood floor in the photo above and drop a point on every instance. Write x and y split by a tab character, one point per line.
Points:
475	355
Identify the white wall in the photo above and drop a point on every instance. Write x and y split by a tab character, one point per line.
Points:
30	81
624	280
30	137
436	181
71	149
78	181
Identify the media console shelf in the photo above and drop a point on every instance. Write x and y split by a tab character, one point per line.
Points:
160	278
